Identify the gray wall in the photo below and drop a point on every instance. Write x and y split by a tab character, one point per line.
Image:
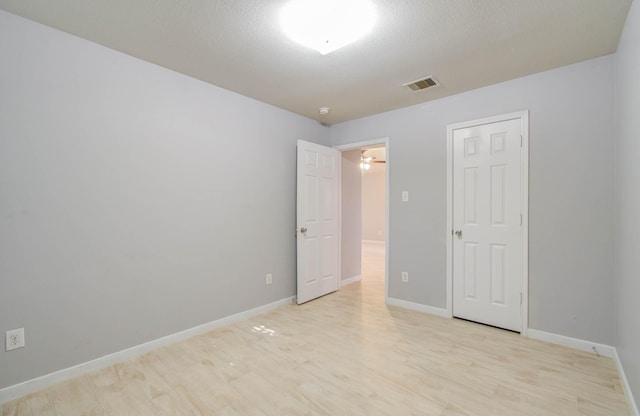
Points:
571	192
627	244
374	201
351	245
131	198
134	202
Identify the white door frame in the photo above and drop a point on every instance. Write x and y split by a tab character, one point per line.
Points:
524	118
357	145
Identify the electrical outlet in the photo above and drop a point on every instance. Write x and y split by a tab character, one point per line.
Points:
405	277
269	278
14	339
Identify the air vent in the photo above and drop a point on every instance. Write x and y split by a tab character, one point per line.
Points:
422	84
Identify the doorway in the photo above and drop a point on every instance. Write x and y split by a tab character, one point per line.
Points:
487	217
364	213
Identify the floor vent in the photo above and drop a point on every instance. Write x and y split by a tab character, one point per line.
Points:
422	84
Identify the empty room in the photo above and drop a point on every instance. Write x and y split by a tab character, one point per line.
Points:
306	207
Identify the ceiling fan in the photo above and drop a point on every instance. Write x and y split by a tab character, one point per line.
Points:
366	161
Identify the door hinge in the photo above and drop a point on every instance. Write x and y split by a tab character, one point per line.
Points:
521	141
520	219
520	298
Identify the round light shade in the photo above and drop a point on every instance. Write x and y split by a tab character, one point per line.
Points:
327	25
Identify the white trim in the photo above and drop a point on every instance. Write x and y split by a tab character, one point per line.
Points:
449	229
339	225
625	385
524	117
352	279
432	310
387	153
588	346
356	145
39	383
379	242
524	206
578	344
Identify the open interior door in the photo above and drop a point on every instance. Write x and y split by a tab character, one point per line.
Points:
317	220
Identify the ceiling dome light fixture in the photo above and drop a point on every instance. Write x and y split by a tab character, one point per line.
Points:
327	25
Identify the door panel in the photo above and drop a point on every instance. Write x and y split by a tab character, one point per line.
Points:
498	203
470	270
470	200
317	220
487	251
498	273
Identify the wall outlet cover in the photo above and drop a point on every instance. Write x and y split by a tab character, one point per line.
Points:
14	339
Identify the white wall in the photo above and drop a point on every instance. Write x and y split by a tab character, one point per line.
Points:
374	203
135	202
627	244
351	245
571	192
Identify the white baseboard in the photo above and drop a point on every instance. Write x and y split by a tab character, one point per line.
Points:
39	383
350	280
379	242
418	307
578	344
625	384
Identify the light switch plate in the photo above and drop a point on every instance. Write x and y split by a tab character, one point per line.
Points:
405	196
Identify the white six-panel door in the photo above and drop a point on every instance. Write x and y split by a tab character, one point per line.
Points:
487	224
317	220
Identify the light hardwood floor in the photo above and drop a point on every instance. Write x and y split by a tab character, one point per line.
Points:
345	354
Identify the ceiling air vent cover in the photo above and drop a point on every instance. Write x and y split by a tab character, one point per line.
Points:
422	84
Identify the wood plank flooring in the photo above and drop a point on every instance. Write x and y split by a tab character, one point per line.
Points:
344	354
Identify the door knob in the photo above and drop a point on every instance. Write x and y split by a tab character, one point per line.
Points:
458	233
303	230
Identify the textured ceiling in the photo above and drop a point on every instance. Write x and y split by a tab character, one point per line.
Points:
238	45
